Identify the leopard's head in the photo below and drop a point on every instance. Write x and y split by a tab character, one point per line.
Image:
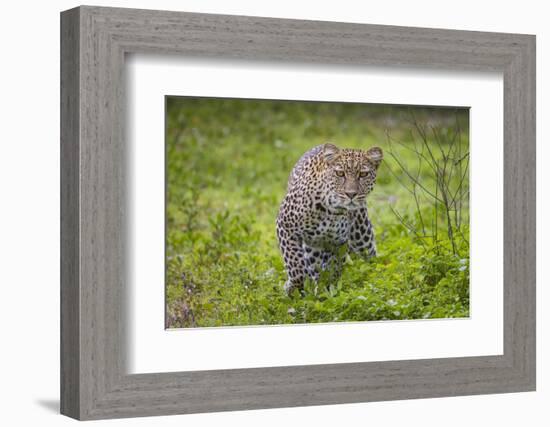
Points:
350	175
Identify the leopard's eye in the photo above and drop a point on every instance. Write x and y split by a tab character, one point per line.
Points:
340	173
363	174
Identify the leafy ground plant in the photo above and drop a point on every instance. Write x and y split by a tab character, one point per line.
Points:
228	162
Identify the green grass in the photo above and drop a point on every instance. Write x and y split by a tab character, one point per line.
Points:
227	166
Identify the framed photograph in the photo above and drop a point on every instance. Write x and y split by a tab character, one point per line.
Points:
262	213
237	226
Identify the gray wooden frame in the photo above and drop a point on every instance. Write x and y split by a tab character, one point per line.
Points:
94	41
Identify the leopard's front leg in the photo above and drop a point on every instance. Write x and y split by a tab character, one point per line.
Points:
291	248
361	238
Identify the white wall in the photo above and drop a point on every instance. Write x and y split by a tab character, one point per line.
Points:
29	226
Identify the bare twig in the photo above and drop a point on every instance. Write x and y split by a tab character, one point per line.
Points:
442	152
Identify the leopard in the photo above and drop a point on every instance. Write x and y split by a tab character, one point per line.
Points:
323	215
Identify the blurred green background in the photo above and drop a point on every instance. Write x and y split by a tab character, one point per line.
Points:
228	161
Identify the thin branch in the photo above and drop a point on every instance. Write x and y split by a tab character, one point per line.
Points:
407	226
412	178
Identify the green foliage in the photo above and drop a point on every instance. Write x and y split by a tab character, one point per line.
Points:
227	166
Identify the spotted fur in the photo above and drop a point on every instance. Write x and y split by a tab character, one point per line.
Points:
324	211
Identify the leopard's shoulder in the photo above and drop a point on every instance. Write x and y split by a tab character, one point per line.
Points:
304	166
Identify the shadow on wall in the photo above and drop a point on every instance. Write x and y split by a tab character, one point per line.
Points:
51	405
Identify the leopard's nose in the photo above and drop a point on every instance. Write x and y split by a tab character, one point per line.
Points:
351	194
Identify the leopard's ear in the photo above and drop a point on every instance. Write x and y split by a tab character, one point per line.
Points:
375	155
330	152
